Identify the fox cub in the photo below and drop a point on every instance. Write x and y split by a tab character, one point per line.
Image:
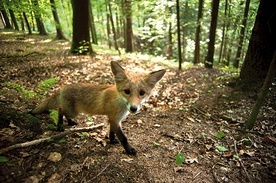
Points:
116	101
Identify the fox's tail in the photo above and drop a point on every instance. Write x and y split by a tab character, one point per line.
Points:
51	102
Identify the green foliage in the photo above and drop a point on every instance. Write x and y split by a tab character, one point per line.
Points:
43	87
32	118
156	143
51	127
220	134
221	148
62	141
46	85
27	94
54	116
3	159
179	158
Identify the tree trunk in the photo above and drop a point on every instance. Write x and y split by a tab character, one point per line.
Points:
223	31
263	93
92	25
27	23
197	39
261	46
178	36
128	28
81	38
6	18
38	18
113	30
14	20
57	22
243	26
108	26
170	43
211	45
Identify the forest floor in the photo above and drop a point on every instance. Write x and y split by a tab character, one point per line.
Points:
195	112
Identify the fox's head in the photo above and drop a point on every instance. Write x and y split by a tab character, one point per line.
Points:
134	88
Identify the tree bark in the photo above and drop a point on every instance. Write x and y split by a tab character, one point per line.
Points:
128	23
261	46
14	20
27	23
57	22
178	36
197	39
81	38
243	26
38	18
211	45
6	18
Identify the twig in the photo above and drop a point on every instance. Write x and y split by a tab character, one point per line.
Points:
235	144
99	173
47	139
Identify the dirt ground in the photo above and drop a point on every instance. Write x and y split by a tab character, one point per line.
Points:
186	114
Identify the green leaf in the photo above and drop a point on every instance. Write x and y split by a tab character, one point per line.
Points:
221	148
3	159
236	156
51	127
32	118
54	116
179	158
156	144
220	135
89	118
84	134
62	140
203	134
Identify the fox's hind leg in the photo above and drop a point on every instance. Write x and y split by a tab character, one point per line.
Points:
60	121
70	122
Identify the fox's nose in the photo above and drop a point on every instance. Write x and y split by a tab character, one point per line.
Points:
133	109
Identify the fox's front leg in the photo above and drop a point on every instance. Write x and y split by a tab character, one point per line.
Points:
116	129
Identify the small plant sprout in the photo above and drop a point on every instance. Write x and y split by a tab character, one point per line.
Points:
180	158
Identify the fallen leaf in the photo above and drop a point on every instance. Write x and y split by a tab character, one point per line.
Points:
55	157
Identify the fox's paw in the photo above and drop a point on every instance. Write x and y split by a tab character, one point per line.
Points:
60	128
131	151
71	122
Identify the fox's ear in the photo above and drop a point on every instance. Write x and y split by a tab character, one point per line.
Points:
118	71
154	77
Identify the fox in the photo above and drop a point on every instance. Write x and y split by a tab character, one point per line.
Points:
127	95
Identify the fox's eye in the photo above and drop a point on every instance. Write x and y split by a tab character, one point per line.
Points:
142	92
127	91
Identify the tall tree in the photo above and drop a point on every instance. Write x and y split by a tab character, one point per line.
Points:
5	16
57	22
198	26
178	35
38	18
243	26
211	45
27	23
223	30
262	44
13	19
128	26
81	38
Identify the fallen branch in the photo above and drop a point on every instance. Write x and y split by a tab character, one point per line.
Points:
47	139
